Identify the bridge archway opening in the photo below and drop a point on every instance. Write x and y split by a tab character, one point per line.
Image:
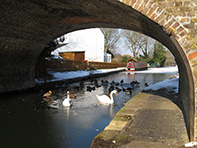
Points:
49	20
186	78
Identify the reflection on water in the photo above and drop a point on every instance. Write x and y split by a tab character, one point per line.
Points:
28	121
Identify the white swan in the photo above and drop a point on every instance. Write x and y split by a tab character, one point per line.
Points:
106	99
67	100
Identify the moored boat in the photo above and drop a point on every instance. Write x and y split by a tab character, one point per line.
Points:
134	65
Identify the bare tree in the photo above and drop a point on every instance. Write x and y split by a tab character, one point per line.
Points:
146	46
137	42
133	41
111	37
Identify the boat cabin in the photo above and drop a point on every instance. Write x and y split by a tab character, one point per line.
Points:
130	64
133	65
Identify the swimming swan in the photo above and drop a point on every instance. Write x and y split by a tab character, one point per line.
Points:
106	99
67	100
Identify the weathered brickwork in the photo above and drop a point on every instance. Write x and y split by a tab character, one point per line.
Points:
179	18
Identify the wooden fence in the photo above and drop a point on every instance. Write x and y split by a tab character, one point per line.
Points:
63	65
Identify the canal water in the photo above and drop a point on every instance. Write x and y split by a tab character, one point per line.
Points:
28	121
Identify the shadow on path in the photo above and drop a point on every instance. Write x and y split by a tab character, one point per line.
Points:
157	120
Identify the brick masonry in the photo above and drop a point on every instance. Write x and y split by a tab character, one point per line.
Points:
179	18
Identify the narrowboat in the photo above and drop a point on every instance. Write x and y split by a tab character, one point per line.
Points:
134	65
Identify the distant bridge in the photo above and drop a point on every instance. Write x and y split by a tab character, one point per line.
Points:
27	26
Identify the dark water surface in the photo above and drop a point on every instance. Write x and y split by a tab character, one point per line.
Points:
28	122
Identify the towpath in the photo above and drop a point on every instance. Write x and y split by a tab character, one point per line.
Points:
148	120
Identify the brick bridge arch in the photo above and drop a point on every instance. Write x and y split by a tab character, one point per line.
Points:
29	25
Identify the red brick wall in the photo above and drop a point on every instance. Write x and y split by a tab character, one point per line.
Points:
179	19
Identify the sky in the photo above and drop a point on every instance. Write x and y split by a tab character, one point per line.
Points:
121	47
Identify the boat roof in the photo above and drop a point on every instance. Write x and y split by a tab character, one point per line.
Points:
132	60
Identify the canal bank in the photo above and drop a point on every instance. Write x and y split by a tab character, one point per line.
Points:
133	125
51	80
149	119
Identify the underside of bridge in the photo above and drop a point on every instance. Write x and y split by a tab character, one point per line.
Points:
29	25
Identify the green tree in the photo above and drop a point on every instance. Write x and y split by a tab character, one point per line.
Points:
112	55
159	55
124	59
46	52
170	58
